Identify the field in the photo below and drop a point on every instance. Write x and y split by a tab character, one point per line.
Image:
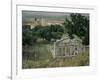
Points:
39	56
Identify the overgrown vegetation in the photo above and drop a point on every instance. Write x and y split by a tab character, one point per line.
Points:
78	25
36	42
40	57
30	36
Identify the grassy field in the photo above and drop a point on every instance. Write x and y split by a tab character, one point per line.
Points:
39	56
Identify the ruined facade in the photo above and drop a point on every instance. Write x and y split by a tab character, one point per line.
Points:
67	47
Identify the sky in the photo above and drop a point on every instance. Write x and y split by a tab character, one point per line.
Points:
28	16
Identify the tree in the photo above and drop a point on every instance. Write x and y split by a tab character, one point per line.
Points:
26	36
46	33
49	32
56	28
56	31
56	35
29	36
78	24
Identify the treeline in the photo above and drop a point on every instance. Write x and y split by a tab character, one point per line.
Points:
49	33
76	24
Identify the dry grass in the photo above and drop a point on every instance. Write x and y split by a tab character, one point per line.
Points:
40	57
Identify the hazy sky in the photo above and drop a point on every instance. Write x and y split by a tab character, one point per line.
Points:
28	16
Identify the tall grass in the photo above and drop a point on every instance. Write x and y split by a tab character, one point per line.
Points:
39	56
36	56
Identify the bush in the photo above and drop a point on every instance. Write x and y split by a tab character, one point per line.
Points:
26	37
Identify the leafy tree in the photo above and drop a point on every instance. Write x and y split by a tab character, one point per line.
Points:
29	36
45	33
49	32
56	28
56	35
56	31
36	28
26	36
78	24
